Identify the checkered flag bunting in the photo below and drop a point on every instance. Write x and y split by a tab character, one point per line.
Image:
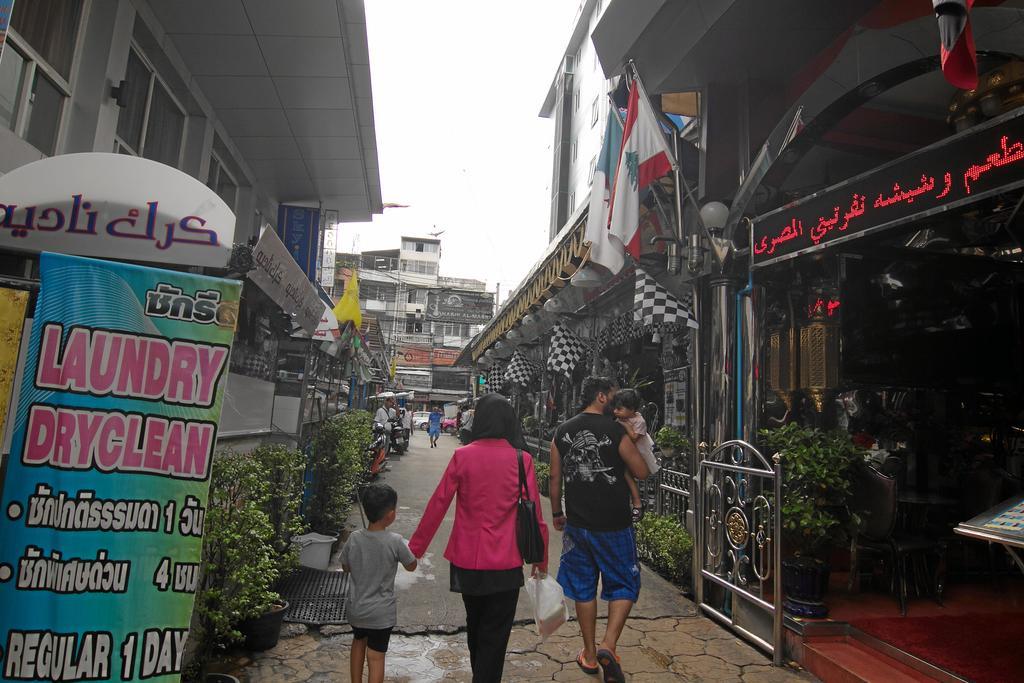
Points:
495	377
654	305
521	369
566	351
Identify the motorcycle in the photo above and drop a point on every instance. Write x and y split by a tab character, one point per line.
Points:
399	440
377	451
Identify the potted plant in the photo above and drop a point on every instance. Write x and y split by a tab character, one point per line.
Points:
284	470
340	464
239	564
671	441
816	486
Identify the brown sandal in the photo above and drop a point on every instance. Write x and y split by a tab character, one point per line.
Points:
584	667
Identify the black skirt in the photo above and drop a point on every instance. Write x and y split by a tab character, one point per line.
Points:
484	581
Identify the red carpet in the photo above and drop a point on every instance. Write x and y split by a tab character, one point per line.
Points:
985	648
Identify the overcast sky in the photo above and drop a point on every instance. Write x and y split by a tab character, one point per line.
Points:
457	86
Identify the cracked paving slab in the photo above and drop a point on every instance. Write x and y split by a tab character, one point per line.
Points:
660	649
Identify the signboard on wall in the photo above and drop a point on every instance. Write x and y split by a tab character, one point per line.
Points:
299	229
108	478
677	397
276	273
460	307
423	356
972	165
88	204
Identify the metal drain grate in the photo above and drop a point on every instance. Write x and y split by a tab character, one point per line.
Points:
315	597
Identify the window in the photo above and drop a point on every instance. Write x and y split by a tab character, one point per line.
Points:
412	324
50	27
593	169
572	202
221	182
417	296
36	70
595	112
12	72
420	247
575	149
576	101
376	292
151	123
421	267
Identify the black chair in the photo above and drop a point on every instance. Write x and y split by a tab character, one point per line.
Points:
876	501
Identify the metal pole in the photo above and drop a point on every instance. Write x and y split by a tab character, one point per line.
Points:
777	645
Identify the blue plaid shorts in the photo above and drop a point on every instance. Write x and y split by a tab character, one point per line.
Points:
608	554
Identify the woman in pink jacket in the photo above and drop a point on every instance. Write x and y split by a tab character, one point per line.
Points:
486	567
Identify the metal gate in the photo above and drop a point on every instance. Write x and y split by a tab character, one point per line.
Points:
738	525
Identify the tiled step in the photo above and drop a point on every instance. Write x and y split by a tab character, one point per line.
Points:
842	659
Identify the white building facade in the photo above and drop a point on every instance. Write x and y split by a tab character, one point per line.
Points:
578	102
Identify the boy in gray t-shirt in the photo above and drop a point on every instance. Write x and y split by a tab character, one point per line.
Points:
371	558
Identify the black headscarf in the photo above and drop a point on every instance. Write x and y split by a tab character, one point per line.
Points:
495	418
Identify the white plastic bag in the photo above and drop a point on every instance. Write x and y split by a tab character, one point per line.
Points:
548	600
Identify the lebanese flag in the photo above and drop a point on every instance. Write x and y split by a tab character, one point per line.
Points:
956	42
644	158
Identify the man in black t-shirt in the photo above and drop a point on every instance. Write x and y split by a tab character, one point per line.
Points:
592	455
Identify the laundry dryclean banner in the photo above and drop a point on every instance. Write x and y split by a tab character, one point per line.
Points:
104	495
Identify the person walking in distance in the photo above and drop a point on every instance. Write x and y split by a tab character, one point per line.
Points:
434	426
592	455
486	565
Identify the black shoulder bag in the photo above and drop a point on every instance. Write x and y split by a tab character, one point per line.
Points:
528	537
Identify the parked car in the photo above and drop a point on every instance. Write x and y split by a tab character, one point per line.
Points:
448	425
420	419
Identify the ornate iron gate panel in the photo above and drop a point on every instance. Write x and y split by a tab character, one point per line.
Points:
739	525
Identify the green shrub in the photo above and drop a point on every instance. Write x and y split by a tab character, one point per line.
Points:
284	469
239	564
817	468
671	438
340	465
666	547
542	471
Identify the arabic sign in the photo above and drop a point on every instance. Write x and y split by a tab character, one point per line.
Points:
460	307
108	476
87	204
299	229
276	273
962	169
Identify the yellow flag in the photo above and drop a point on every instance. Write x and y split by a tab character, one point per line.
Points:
347	307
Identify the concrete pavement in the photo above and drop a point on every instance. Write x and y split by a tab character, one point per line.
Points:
424	601
664	640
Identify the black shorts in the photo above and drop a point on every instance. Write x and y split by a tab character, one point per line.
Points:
377	639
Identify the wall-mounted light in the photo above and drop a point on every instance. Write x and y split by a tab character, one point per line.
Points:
714	215
119	93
